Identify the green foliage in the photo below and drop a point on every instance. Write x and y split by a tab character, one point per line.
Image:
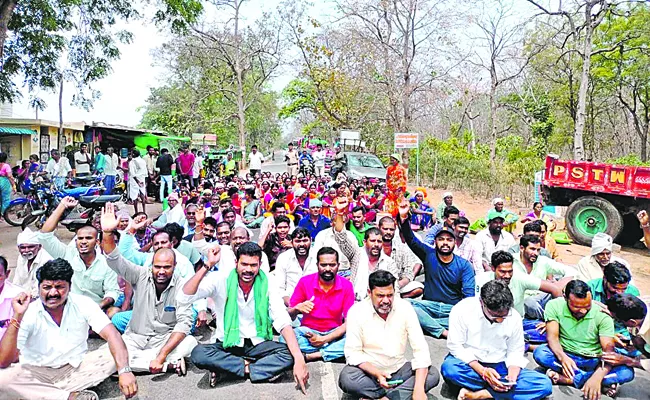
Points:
630	159
40	32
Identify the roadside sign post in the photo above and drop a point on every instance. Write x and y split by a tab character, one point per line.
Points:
410	140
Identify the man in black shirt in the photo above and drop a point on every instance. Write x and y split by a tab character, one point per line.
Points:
164	169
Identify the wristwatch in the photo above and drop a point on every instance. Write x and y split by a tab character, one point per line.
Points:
124	370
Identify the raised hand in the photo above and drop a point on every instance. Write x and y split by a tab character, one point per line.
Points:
342	205
214	256
404	208
109	221
200	215
20	304
69	202
643	217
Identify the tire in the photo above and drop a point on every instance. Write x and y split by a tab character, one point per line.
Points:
15	214
589	215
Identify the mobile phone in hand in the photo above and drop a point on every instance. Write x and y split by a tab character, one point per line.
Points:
396	382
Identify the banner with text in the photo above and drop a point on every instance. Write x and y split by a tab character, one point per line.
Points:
406	140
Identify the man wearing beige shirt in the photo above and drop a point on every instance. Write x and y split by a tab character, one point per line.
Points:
378	329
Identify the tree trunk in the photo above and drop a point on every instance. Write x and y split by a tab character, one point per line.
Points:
581	115
239	72
60	110
493	127
6	11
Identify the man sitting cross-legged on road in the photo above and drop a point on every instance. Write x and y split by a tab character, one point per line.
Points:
247	307
486	349
578	334
50	335
323	299
378	330
448	278
158	334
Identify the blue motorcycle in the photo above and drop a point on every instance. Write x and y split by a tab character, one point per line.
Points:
42	198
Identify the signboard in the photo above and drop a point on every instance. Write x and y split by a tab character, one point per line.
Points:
406	140
204	139
350	135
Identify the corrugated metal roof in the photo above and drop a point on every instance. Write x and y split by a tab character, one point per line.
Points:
16	131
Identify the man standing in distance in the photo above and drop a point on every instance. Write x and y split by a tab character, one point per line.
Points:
111	163
164	168
291	158
255	160
319	160
185	164
137	180
82	161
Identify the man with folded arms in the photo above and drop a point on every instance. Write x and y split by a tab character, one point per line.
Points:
247	306
486	349
323	299
378	330
158	334
54	359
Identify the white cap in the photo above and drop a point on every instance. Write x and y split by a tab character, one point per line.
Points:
601	242
27	237
497	200
447	194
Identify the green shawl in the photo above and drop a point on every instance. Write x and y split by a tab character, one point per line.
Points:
359	234
231	312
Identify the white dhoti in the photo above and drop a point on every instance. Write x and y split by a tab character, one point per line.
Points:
135	190
22	381
143	350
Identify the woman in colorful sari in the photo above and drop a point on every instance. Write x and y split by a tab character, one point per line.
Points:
422	213
396	181
7	184
328	203
251	211
539	213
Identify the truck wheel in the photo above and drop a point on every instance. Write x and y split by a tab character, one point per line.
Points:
590	215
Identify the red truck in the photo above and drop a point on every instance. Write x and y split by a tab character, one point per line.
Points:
600	197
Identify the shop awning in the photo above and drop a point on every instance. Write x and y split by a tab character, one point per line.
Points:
16	131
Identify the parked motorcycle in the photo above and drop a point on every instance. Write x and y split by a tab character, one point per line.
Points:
41	199
306	167
85	212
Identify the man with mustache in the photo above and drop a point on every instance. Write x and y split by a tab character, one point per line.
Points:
293	265
323	299
378	330
248	306
447	278
363	260
92	276
529	262
486	349
51	334
158	335
32	257
578	334
467	248
493	237
447	219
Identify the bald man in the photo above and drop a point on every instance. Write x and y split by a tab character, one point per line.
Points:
158	336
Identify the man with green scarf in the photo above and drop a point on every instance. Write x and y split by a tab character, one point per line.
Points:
247	306
357	224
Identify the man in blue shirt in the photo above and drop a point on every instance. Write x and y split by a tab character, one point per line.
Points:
448	278
315	222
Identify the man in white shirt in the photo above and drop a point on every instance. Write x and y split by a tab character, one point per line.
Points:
405	261
92	277
255	160
197	167
137	186
54	359
82	161
319	160
593	265
467	248
111	163
493	238
486	349
248	306
32	257
293	265
377	333
150	160
59	169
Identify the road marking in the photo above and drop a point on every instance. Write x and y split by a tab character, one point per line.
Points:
327	382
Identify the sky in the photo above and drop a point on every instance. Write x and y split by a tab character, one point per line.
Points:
128	86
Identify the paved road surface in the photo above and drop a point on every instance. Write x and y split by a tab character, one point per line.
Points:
324	376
